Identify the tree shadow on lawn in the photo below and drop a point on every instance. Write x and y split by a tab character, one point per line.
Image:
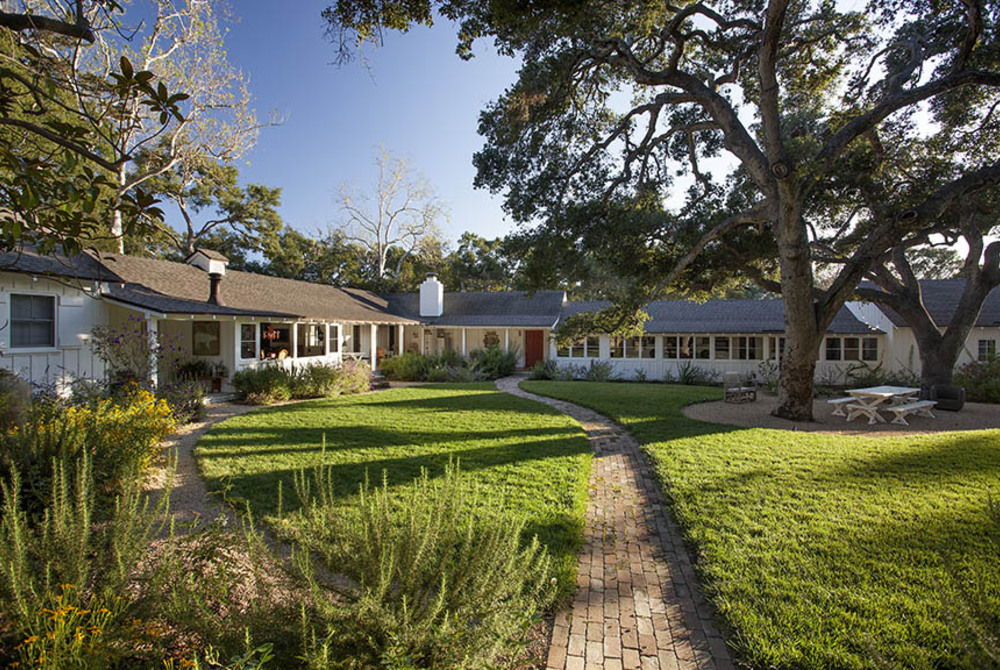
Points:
260	489
943	457
244	442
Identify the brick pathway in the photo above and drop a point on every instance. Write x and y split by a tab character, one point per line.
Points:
638	605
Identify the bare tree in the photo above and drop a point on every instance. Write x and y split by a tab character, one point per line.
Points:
401	213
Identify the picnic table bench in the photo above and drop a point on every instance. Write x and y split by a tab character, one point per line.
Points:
922	407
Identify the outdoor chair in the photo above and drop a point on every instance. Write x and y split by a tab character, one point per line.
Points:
948	397
734	389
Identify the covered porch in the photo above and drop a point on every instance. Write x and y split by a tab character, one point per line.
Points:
530	344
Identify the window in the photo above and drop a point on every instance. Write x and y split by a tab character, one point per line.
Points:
722	348
777	345
593	346
852	349
356	340
275	340
648	346
703	347
632	347
579	349
310	340
685	346
617	347
334	339
32	321
749	348
206	338
833	348
987	349
869	348
248	340
670	346
562	350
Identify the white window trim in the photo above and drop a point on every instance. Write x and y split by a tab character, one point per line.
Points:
55	348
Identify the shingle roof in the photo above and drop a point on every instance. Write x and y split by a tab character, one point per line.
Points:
722	316
941	296
512	309
168	287
83	267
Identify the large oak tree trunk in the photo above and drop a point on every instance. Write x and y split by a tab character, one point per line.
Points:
798	365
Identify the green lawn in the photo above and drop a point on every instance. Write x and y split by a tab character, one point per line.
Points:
824	551
527	456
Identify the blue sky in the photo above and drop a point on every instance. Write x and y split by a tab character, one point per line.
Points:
418	99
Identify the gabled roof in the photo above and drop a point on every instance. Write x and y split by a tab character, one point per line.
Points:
168	287
509	309
941	297
722	316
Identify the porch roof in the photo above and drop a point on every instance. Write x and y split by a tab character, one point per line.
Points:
722	316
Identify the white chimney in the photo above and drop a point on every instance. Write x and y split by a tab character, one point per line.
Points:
431	296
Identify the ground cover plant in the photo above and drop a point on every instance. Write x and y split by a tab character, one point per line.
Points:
826	551
522	455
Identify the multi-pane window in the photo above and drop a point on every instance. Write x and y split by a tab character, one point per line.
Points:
585	347
310	340
648	346
852	349
869	348
685	346
833	352
777	345
356	339
32	321
617	347
749	348
703	347
631	347
670	346
987	349
248	340
334	338
722	348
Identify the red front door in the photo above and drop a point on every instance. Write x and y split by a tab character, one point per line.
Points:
534	347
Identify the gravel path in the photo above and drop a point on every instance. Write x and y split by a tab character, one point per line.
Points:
639	604
189	500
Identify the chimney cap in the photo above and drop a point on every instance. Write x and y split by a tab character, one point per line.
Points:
432	275
207	253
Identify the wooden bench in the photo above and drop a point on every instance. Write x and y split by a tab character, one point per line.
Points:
921	407
854	410
838	405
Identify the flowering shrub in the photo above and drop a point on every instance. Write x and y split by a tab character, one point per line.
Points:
270	384
121	439
132	354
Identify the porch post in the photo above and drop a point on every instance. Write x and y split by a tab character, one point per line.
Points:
294	338
400	342
463	343
153	328
373	346
423	336
506	340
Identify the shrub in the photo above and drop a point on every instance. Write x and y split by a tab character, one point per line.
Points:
493	363
120	437
440	579
690	374
185	398
599	371
544	370
355	377
132	354
15	400
410	367
315	381
981	380
63	573
265	385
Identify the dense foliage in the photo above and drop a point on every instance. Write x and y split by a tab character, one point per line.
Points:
981	379
269	384
481	365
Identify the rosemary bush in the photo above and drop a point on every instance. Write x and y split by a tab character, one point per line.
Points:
439	579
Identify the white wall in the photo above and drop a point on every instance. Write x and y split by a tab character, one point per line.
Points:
76	313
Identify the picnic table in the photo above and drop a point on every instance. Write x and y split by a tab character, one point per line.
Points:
901	400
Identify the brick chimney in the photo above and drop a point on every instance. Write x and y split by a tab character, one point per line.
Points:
214	264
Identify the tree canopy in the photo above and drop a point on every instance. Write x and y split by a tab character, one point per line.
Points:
694	141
